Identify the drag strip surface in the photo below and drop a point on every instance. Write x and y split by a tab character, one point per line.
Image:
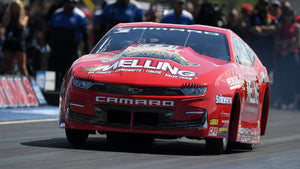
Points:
41	144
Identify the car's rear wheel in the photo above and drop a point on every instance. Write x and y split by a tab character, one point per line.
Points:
129	139
76	137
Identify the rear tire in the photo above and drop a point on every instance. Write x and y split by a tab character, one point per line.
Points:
76	137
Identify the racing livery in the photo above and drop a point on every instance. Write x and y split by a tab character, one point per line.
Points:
147	80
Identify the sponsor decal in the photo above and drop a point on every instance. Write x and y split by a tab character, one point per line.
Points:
223	100
223	131
250	109
252	91
214	122
233	83
135	102
21	91
249	135
30	93
16	91
157	51
39	95
3	101
138	65
213	131
225	121
11	101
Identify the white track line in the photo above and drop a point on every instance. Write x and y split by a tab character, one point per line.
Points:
28	121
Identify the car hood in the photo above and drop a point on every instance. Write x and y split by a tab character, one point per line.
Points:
147	64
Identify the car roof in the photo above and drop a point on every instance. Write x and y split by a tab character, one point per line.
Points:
228	32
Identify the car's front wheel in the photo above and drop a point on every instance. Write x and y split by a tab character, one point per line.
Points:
217	145
76	137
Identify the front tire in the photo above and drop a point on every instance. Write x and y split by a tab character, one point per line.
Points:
76	137
217	145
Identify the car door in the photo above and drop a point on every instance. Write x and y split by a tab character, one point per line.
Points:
249	116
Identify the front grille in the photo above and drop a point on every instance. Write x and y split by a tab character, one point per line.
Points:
144	118
136	90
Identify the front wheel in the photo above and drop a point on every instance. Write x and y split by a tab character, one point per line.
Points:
217	145
76	137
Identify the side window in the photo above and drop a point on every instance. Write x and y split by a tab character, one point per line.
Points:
251	54
236	50
242	52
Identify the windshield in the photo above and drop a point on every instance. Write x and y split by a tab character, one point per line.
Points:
203	42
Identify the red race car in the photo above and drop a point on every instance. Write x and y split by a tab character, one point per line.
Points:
147	80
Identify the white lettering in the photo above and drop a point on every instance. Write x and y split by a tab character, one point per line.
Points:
148	64
112	99
126	101
100	99
125	63
154	102
142	102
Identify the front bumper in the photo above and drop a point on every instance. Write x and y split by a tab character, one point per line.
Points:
185	117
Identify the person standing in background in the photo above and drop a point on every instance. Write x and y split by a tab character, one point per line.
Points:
262	30
14	21
179	15
98	28
2	59
152	15
287	43
67	28
122	11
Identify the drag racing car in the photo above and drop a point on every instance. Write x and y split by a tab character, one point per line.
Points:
144	81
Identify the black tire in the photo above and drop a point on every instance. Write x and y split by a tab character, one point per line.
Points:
129	139
243	146
76	137
217	145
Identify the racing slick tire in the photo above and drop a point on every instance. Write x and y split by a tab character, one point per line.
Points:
120	139
76	137
217	145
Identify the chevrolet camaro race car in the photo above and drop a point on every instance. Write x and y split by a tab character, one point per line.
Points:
147	80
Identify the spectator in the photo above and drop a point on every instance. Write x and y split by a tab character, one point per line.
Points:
234	21
152	15
190	8
98	27
197	7
121	11
14	22
35	39
247	13
67	28
275	10
285	5
2	11
2	59
263	28
287	44
179	15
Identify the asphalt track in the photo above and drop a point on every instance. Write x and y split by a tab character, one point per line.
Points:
39	143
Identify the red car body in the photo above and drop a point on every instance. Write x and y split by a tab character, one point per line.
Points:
211	86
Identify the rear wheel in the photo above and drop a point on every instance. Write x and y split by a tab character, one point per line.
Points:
76	137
